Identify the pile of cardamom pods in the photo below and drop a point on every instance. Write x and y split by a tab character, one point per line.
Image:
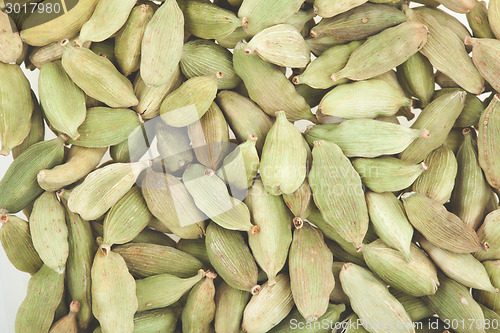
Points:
168	188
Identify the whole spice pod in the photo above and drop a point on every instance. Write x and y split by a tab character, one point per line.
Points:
212	197
494	16
151	97
162	320
490	315
446	52
136	145
48	53
109	183
16	107
174	147
454	301
257	15
303	21
128	40
104	49
329	8
160	291
204	57
162	44
454	140
488	136
311	275
438	181
269	307
36	312
114	300
126	219
360	285
97	76
485	55
300	202
169	201
366	137
268	86
461	267
472	191
79	163
417	75
438	118
284	157
144	260
462	6
234	38
295	321
391	267
18	245
415	307
19	182
318	72
10	41
49	231
336	203
490	232
244	117
199	311
281	45
195	247
148	235
362	65
478	21
231	258
338	295
390	222
387	174
37	129
36	33
371	98
188	103
440	227
487	298
208	21
319	45
230	304
68	323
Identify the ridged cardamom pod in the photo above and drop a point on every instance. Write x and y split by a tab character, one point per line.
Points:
64	26
461	6
416	308
390	222
489	299
372	302
128	40
195	247
114	300
169	201
204	57
162	45
338	192
144	260
330	8
231	258
486	58
318	72
244	117
161	320
341	254
338	295
68	323
208	21
258	15
487	142
109	184
174	147
281	45
284	157
231	40
391	267
446	52
97	77
454	140
188	103
271	244
269	307
36	312
490	232
417	76
230	304
478	21
300	202
48	53
160	291
104	49
346	27
79	163
367	137
268	87
311	275
494	16
438	181
16	107
440	227
303	21
438	117
37	129
380	53
386	173
11	44
18	245
324	324
199	310
364	99
19	183
453	301
212	197
461	267
491	316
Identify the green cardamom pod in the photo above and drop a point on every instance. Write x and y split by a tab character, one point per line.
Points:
417	76
416	308
494	16
330	8
487	298
490	232
195	247
462	6
300	202
478	21
37	129
488	136
199	310
174	147
230	304
68	323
